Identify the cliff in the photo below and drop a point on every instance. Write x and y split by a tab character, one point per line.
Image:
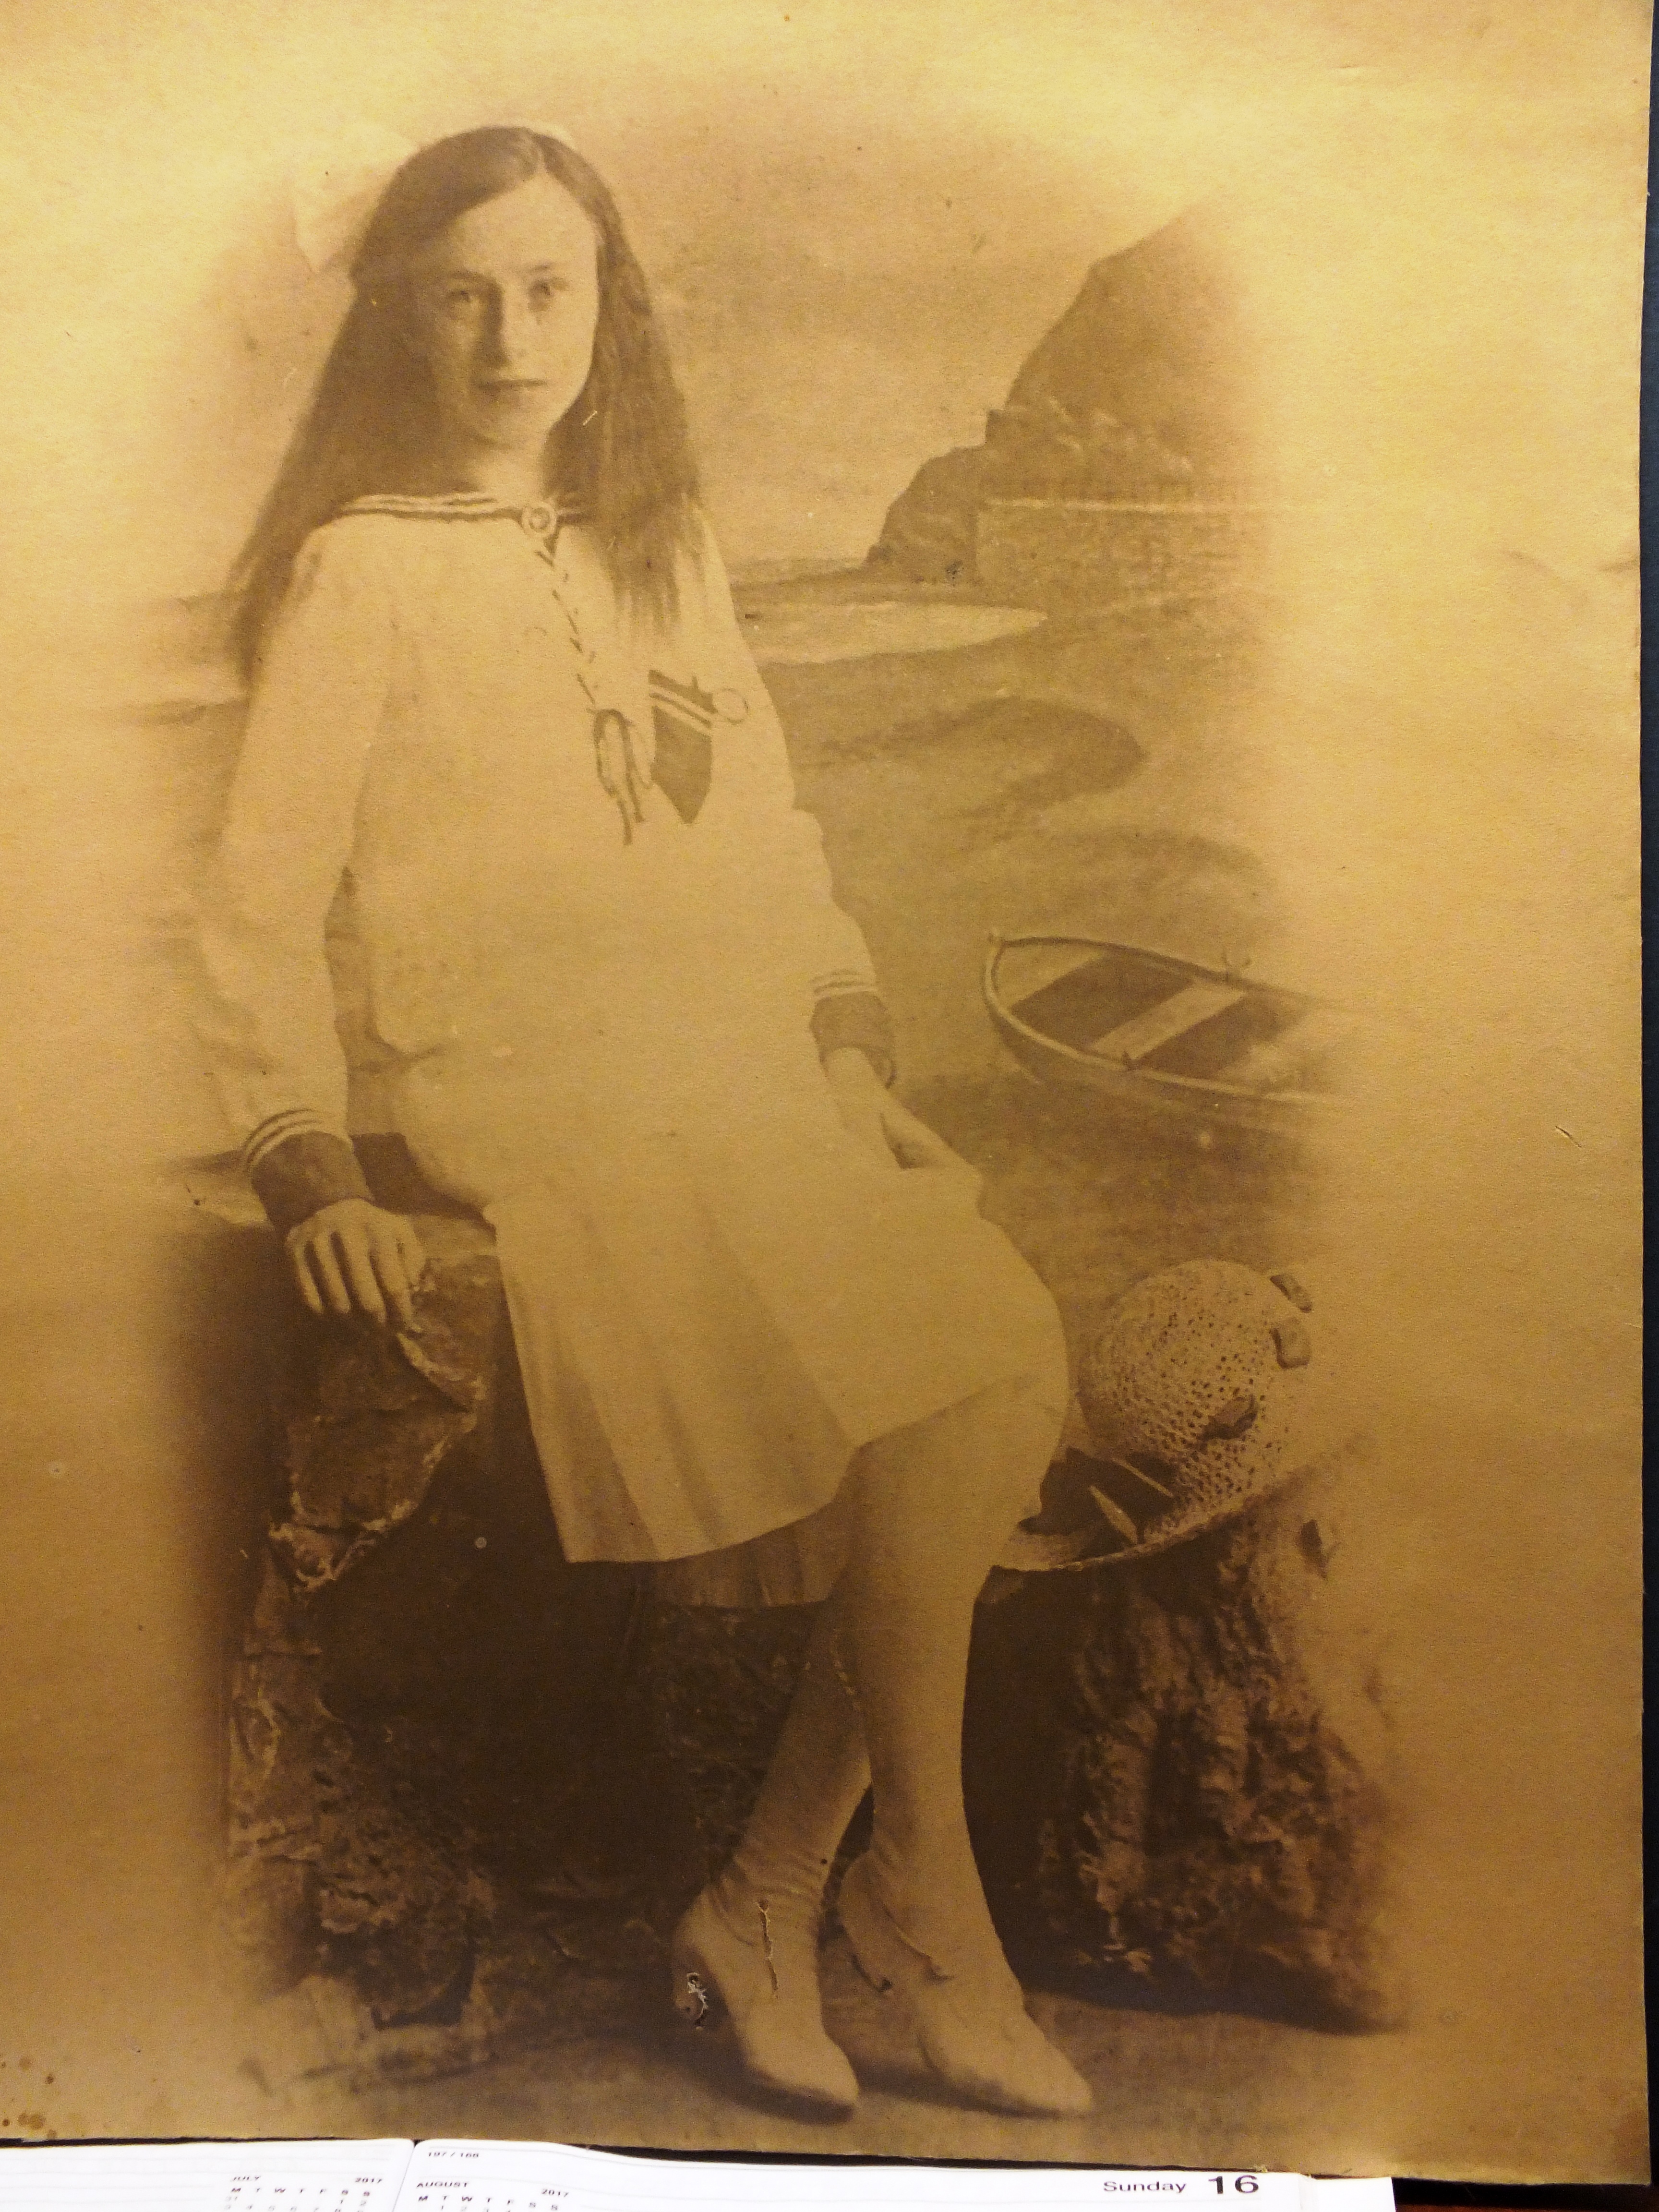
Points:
1139	393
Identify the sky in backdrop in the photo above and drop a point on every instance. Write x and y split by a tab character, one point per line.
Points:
857	220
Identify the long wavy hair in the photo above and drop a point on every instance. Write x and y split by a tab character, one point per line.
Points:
622	453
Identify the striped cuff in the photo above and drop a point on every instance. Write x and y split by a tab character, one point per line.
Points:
299	1171
859	1018
277	1129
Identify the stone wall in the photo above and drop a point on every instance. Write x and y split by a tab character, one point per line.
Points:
1104	550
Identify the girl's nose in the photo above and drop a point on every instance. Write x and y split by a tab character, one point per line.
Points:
510	339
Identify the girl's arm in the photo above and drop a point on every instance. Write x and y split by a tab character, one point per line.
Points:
846	1010
784	848
268	1019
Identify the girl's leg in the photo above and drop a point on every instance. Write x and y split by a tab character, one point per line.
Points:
917	1560
929	1508
932	1506
817	1778
751	1939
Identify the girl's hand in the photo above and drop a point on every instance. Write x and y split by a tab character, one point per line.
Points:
891	1131
351	1254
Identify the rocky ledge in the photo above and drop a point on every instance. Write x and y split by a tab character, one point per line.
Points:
453	1752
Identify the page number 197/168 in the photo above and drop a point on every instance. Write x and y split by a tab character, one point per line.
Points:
1245	2183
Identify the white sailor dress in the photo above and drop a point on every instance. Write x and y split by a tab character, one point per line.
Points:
528	886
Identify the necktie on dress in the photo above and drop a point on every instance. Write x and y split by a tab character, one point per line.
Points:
623	775
676	753
624	755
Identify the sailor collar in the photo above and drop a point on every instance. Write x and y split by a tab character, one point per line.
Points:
541	520
657	731
619	698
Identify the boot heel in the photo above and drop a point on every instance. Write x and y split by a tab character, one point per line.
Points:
693	1989
768	1990
985	2045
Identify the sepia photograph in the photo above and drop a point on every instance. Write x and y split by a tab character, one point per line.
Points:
823	1331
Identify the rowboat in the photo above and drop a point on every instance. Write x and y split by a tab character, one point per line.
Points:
1152	1032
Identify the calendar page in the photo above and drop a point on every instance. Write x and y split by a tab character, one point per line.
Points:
538	2177
204	2177
514	2177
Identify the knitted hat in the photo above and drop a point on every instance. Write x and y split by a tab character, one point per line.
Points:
1191	1396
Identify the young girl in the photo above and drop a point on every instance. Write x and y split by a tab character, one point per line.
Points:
513	868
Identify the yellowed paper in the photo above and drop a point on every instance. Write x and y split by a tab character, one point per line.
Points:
1385	755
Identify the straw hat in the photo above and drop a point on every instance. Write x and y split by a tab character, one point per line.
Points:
1191	1398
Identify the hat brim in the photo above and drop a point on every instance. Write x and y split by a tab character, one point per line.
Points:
1071	1551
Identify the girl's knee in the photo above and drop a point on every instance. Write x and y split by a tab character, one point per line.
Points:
1026	1408
1004	1441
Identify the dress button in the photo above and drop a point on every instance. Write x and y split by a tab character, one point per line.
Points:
538	520
729	704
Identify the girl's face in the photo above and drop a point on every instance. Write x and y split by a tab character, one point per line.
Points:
505	304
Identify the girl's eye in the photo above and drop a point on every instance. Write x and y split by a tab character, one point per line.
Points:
462	299
543	294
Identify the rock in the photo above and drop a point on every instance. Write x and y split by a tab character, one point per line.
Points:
1148	370
410	1562
332	1857
711	1686
928	535
453	1752
370	1415
1140	393
1217	1823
